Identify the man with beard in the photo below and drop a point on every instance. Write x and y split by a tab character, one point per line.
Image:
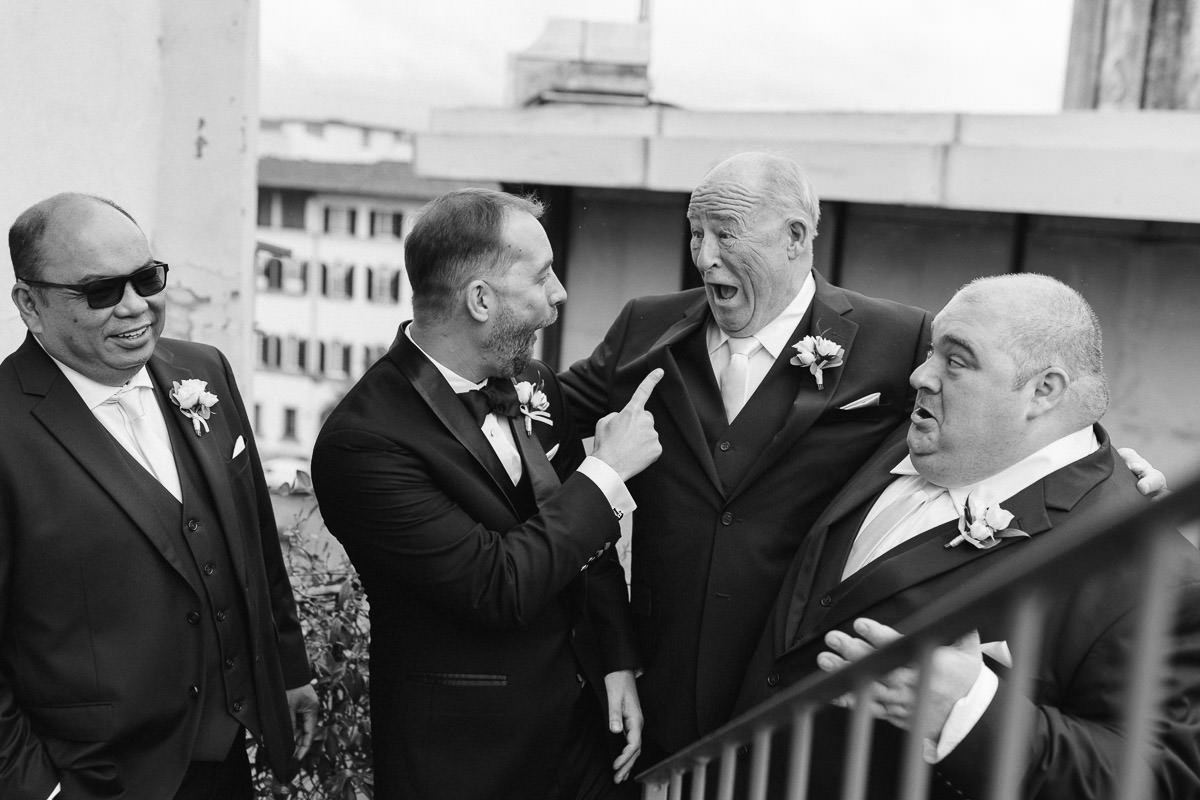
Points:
482	533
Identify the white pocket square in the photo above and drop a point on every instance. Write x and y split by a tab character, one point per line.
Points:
863	402
238	447
550	453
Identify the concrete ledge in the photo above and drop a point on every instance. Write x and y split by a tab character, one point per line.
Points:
1132	165
870	173
560	160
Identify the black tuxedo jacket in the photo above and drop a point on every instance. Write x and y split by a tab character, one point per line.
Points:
96	652
722	512
1085	647
475	591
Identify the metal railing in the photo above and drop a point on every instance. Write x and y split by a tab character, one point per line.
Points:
1086	543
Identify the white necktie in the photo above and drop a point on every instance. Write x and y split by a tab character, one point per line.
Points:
148	447
867	546
734	378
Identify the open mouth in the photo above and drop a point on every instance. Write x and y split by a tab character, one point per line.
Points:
724	291
921	413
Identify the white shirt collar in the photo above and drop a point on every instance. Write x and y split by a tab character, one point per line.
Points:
1026	472
93	392
775	334
457	382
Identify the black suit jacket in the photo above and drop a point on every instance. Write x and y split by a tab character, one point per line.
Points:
96	653
474	590
1085	646
708	558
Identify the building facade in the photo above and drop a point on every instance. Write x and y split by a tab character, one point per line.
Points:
329	269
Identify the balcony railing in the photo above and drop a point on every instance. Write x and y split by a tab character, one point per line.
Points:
740	754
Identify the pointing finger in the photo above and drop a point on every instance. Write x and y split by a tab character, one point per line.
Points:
642	393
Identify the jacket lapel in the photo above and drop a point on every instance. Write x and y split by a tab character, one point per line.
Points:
829	307
926	556
672	390
72	424
822	545
210	449
451	412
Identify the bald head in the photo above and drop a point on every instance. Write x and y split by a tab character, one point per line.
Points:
55	217
1049	324
748	180
752	222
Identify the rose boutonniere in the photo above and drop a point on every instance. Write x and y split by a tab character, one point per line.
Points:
984	525
818	354
195	401
534	404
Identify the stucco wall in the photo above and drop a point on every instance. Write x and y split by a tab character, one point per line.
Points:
152	103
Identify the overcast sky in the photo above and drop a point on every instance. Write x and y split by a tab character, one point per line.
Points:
390	61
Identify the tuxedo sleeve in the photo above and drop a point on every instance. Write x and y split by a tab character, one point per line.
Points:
1077	744
606	614
292	656
587	382
405	517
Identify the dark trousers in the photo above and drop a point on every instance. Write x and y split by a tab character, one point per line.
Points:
585	770
219	780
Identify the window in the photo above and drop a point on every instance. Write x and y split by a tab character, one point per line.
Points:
297	354
282	275
289	423
265	196
394	287
292	205
334	359
268	351
337	280
387	224
383	285
273	271
340	220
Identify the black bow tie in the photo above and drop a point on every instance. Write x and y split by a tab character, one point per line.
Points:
499	396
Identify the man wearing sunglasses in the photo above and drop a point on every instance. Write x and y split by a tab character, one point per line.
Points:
146	619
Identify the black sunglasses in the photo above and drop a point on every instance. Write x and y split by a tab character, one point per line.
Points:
107	292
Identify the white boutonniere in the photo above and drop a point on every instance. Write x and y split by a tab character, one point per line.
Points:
984	525
534	404
818	354
195	401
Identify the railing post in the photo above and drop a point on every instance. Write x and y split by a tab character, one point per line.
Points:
801	755
1155	611
858	745
1024	644
914	777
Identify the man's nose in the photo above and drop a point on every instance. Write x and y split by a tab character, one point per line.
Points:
557	292
922	377
132	303
707	254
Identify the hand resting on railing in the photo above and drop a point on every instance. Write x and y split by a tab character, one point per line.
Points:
958	672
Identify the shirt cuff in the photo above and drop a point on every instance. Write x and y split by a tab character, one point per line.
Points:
963	716
609	482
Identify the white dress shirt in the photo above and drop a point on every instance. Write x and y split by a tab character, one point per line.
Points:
95	396
774	337
500	437
989	491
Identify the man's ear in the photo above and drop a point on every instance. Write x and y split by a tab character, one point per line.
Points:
799	236
1049	388
481	300
27	306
